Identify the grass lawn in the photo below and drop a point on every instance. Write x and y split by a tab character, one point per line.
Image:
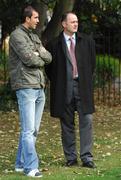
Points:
107	147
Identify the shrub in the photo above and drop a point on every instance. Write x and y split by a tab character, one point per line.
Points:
7	98
107	69
3	66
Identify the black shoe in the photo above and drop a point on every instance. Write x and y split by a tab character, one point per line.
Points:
89	164
71	162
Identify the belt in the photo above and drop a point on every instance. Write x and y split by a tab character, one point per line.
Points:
76	79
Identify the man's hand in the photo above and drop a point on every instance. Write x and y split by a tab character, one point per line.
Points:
43	50
36	53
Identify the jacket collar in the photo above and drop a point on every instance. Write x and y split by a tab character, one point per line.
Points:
25	29
78	36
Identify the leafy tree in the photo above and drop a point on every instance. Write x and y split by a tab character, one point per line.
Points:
101	18
10	12
53	27
95	16
98	14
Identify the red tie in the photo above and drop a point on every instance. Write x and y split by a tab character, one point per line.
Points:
73	58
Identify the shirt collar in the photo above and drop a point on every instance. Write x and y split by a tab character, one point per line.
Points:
25	29
67	37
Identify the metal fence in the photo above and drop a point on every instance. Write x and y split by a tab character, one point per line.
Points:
108	68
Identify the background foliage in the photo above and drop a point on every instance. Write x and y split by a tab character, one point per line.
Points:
98	18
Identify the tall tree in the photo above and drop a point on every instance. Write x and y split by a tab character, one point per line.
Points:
10	15
42	7
54	26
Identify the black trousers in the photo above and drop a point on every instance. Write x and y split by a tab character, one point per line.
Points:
68	129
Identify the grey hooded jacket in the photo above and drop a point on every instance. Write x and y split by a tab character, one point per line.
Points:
27	58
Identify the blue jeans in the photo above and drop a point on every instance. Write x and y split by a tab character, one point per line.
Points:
31	104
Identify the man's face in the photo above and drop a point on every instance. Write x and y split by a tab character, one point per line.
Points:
34	20
70	25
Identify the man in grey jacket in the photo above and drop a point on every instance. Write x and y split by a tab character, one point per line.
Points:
26	63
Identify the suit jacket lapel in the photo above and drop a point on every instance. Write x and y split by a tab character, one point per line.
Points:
65	49
79	48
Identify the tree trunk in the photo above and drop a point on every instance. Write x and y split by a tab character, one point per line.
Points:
54	26
42	9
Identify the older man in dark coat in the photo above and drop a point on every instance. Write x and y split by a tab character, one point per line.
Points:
71	88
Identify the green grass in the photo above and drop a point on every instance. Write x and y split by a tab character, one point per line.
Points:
107	148
72	174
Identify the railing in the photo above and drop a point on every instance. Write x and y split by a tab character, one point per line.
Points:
108	69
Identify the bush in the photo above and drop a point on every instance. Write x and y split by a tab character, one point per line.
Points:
8	100
107	69
3	66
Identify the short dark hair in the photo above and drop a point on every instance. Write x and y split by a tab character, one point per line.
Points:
27	12
64	16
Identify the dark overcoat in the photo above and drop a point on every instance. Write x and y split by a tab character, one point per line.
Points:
57	73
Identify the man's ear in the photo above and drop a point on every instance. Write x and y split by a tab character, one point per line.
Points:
27	19
63	23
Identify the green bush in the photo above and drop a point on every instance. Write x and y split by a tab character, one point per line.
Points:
3	66
7	98
107	69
